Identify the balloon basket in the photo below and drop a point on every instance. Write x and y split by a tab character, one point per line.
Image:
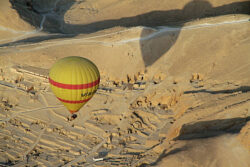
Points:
73	116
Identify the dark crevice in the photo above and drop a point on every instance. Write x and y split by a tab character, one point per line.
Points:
243	89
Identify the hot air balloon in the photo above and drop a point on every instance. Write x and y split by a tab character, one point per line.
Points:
74	80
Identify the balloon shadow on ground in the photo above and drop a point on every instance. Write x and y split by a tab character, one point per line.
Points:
151	48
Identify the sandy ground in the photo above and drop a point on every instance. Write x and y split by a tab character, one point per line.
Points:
174	91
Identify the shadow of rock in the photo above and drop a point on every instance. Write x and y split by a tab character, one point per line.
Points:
243	89
206	129
33	11
164	154
37	39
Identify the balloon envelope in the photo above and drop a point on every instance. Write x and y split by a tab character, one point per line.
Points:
74	80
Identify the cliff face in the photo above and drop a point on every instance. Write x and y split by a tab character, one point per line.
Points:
174	83
10	19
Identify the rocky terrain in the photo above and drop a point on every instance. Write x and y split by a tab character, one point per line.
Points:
174	90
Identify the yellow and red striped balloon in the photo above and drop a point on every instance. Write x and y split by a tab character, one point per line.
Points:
74	80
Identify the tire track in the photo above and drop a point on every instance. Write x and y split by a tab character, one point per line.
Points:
28	111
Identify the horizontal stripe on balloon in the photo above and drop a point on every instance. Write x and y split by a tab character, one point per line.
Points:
74	102
72	86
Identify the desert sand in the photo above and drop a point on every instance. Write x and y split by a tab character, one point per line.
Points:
174	89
